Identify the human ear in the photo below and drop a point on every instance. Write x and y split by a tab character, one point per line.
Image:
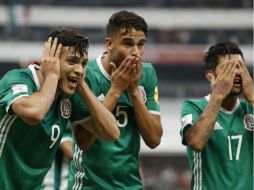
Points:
108	43
210	75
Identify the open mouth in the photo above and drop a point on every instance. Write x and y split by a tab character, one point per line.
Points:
237	82
72	81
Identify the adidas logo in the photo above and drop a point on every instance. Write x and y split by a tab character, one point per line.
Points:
101	97
217	126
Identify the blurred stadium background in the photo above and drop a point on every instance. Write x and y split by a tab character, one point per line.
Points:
180	32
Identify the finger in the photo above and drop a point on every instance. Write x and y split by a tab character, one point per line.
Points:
127	67
244	67
229	70
58	51
212	81
44	50
47	46
232	70
113	67
53	48
222	69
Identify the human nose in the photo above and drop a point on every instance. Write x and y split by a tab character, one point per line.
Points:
79	69
135	50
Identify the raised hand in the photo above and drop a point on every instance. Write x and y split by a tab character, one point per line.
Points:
136	74
223	83
246	82
121	76
50	58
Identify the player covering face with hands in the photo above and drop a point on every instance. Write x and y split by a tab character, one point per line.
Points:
35	106
128	88
218	129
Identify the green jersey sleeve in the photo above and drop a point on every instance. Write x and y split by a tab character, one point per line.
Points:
150	93
190	112
79	109
14	85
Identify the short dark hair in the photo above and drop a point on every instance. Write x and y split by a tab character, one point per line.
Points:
72	38
125	20
211	57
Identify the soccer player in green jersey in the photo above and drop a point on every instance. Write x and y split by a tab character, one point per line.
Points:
218	129
127	87
35	106
57	176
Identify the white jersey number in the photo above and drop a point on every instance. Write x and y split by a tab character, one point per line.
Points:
54	134
231	138
122	113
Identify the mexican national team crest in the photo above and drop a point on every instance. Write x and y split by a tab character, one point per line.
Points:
143	93
65	108
248	121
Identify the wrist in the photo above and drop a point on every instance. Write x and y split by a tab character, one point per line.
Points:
114	93
218	99
51	76
82	86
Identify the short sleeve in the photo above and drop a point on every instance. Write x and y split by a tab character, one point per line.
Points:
79	109
190	113
15	85
151	90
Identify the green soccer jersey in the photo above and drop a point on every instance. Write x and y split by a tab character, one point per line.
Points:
226	162
27	152
57	176
114	165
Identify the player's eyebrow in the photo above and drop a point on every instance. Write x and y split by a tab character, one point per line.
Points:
73	57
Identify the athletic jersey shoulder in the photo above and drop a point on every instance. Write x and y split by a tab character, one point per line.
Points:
190	112
15	84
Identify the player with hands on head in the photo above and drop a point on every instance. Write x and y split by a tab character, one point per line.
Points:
36	105
218	129
128	88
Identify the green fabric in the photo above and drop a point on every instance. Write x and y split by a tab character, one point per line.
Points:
114	165
226	162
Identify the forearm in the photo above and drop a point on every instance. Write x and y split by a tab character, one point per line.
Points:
84	138
199	133
149	125
111	99
66	148
32	109
103	122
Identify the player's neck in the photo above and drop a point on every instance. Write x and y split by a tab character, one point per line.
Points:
229	102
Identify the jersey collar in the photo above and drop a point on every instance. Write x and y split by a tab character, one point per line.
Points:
224	110
103	71
36	80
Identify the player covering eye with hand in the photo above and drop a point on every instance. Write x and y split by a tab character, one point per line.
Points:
218	129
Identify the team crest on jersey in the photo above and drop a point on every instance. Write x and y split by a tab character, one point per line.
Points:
143	93
65	108
248	121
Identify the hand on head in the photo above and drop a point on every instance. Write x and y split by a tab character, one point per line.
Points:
246	81
222	83
50	58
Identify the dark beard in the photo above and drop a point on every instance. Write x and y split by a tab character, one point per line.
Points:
232	93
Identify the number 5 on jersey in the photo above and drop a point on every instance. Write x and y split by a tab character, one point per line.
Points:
121	113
